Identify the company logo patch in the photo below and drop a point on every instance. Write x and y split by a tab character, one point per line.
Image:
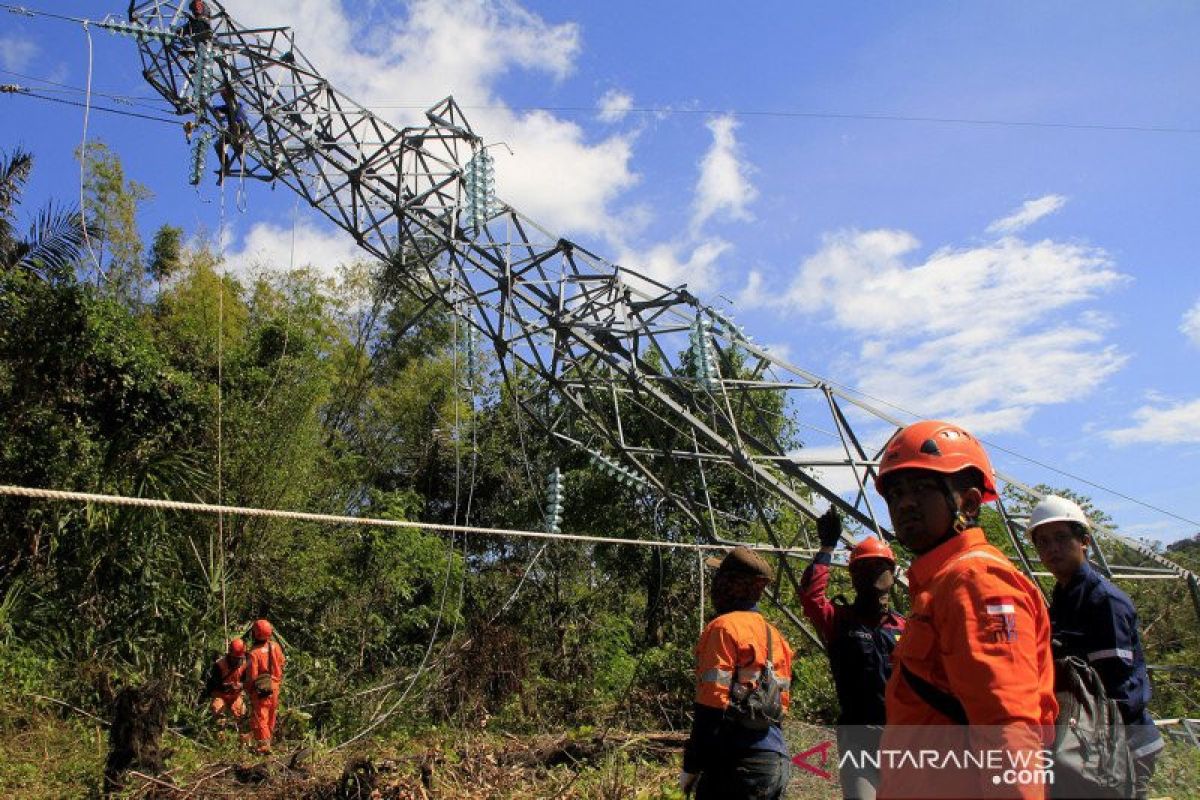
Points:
1001	618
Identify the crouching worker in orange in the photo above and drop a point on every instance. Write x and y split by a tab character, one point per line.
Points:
263	677
743	676
224	686
970	703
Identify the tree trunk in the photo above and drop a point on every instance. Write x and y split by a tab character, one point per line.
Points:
139	719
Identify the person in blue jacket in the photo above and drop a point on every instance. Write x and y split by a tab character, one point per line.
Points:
1092	619
235	129
859	638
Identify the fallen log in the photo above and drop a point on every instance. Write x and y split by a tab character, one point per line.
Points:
554	751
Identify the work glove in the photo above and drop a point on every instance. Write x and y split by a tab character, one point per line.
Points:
687	782
829	528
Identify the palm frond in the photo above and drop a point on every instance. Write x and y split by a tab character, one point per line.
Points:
14	171
54	242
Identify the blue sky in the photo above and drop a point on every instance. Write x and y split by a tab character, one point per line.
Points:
1036	283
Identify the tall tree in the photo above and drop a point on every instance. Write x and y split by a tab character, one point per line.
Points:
110	206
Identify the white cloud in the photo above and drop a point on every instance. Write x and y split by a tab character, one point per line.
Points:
984	335
673	263
990	384
558	179
839	479
1029	212
1174	423
615	105
269	247
557	176
724	183
781	350
16	52
753	294
1190	326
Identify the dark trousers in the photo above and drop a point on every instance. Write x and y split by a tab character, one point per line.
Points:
1143	770
756	775
858	782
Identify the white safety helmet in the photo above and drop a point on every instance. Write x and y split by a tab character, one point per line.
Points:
1057	509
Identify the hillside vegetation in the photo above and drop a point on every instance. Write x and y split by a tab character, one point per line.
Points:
135	365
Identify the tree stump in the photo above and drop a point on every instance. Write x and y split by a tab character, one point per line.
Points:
139	720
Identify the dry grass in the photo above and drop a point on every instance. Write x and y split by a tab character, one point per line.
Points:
43	755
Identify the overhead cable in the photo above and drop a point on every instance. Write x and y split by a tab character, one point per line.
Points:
24	92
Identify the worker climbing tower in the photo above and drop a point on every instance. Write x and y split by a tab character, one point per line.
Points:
659	388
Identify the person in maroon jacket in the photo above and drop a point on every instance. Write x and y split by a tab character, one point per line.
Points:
859	637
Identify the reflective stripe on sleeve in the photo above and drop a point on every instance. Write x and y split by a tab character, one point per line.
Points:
748	674
1119	652
1147	749
722	677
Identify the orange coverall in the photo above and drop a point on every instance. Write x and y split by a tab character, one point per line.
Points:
979	631
228	693
732	650
736	642
264	657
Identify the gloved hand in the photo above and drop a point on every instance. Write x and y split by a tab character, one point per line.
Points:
687	782
829	528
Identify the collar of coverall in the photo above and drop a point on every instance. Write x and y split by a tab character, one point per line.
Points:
926	565
1084	575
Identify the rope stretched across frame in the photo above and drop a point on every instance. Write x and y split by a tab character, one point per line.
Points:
335	519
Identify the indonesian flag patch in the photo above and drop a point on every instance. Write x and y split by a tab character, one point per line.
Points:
1001	618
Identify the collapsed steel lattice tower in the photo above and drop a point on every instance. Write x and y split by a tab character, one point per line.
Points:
609	343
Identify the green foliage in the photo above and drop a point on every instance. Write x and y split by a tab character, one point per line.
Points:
814	698
166	254
55	236
311	391
110	208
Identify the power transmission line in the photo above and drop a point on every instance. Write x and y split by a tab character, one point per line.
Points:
20	91
669	110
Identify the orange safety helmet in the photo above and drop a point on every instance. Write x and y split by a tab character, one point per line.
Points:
237	648
872	547
938	447
262	630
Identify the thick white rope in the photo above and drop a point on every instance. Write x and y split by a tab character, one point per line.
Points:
335	519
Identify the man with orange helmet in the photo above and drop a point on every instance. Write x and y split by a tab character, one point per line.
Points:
743	678
224	685
264	677
974	671
859	639
199	23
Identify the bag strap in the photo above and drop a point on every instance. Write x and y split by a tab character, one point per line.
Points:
944	703
770	653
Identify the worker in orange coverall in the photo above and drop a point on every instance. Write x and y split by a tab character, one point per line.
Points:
224	683
263	679
970	703
743	679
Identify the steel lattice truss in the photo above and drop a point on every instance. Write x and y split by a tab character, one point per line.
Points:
616	349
